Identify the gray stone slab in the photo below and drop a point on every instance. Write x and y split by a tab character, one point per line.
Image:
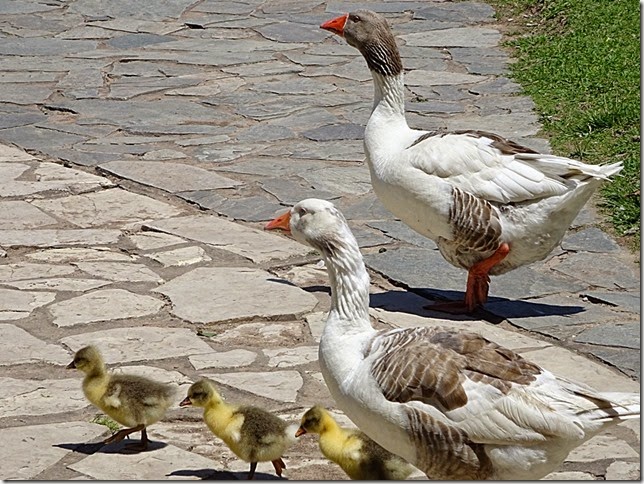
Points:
291	32
335	132
458	11
260	335
40	397
172	177
19	304
155	9
31	137
154	240
164	154
277	385
28	6
289	357
15	120
224	359
589	240
44	47
249	209
551	312
498	85
607	271
36	447
26	94
78	254
103	305
625	335
140	343
354	70
347	150
119	271
219	153
133	41
17	347
437	107
26	270
108	207
628	361
297	86
399	231
272	167
127	88
526	282
350	180
166	460
291	190
457	37
255	245
440	78
183	256
22	215
629	301
57	238
512	126
602	447
368	238
623	471
197	296
59	284
368	207
260	69
265	132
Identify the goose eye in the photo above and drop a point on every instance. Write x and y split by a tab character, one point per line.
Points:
302	211
354	18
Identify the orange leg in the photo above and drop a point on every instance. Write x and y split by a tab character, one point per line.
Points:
478	285
279	466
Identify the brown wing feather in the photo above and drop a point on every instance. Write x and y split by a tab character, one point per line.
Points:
431	365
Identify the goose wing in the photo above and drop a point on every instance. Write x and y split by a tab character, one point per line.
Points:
485	393
493	168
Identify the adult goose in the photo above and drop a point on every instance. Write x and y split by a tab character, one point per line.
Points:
452	403
490	204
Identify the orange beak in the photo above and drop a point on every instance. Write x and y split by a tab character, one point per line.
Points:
185	402
281	222
300	431
336	25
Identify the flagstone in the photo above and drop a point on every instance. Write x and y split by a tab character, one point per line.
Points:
276	385
103	305
17	346
16	304
141	343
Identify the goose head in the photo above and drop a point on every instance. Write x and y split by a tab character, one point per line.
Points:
87	360
316	223
313	421
370	33
201	394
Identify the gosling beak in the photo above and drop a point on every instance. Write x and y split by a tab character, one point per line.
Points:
71	366
336	25
300	431
281	222
185	402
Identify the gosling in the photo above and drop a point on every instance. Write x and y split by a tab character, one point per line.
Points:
133	401
253	434
359	456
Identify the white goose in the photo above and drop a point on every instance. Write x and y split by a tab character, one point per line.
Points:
452	403
491	205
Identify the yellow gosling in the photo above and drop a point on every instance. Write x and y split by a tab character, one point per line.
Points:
359	456
133	401
253	434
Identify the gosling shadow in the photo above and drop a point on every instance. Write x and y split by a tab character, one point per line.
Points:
89	448
215	475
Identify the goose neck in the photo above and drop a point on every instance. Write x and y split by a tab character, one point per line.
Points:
349	286
389	94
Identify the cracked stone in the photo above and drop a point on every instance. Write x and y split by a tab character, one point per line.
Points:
20	304
166	154
121	345
623	471
40	397
17	347
103	305
183	256
22	215
623	335
287	357
335	132
253	244
57	238
27	270
59	284
291	32
76	254
114	206
172	177
276	385
590	240
457	37
260	335
197	296
439	78
602	447
34	448
119	271
611	273
629	301
154	240
225	359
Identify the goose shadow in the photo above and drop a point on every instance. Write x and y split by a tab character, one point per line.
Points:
215	475
418	302
89	448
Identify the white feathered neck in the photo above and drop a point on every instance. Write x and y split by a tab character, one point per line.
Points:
348	279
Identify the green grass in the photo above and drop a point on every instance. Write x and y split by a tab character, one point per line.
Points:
107	421
579	60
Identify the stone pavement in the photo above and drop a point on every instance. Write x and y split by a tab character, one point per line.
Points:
145	147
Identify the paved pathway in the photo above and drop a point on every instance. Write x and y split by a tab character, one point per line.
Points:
143	151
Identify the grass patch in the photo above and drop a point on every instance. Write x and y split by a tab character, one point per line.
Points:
107	421
579	60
